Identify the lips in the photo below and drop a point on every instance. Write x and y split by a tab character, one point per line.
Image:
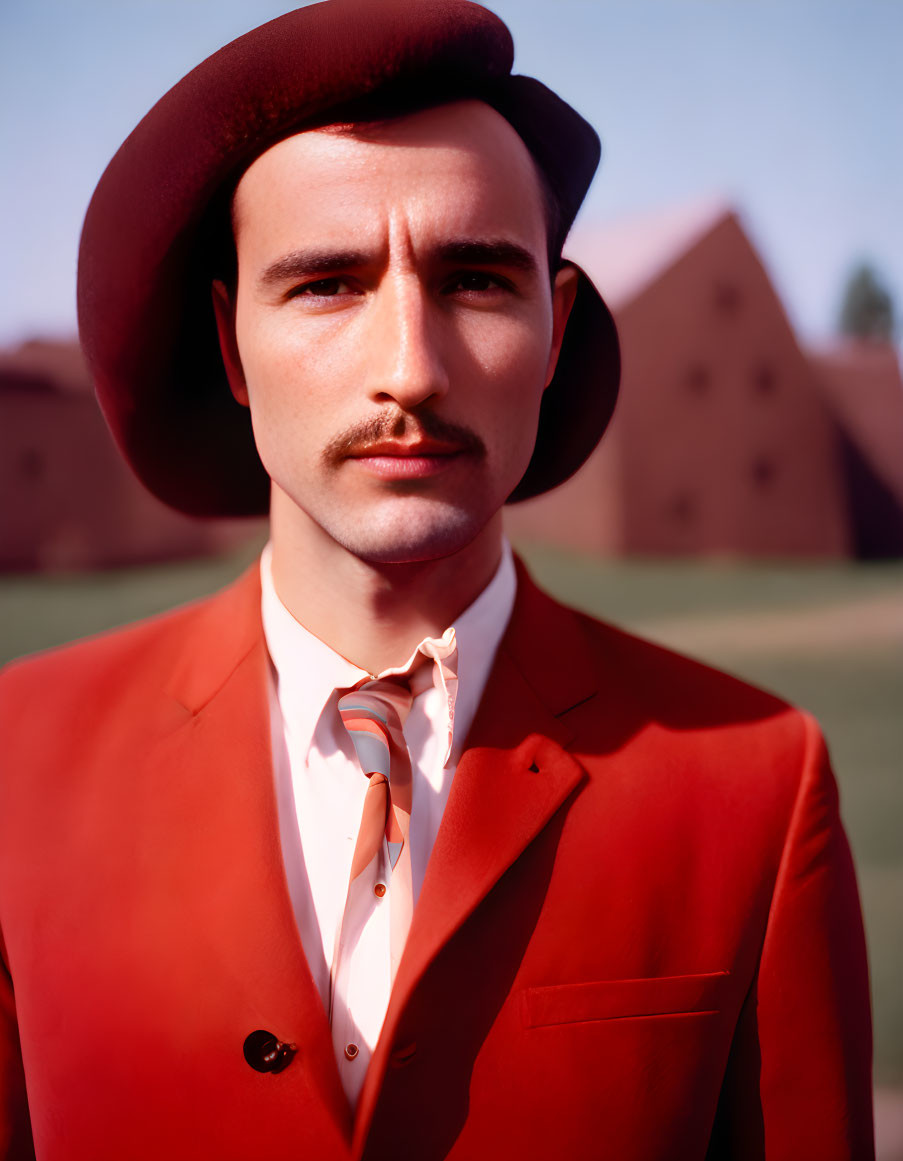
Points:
407	448
392	459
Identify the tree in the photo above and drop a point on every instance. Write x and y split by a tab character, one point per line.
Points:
868	309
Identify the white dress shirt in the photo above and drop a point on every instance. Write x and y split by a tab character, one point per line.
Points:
320	793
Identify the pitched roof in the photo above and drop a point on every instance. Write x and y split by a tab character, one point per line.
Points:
46	364
628	254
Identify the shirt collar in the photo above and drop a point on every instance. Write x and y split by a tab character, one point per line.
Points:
308	671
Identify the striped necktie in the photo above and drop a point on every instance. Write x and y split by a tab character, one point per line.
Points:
374	715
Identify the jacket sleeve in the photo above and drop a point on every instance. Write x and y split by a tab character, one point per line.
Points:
798	1082
15	1126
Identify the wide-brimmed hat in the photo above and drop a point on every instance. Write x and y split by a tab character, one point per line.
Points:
144	304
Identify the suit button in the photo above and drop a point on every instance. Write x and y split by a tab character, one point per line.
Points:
379	890
267	1053
351	1051
403	1055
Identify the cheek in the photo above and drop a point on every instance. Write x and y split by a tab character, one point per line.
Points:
506	376
296	374
519	338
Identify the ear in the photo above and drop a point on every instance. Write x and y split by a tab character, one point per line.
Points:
564	291
224	310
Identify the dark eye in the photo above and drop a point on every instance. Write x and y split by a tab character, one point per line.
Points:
322	288
474	282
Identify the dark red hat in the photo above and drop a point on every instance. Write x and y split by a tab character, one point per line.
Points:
145	315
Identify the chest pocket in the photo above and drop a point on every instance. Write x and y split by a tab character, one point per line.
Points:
625	999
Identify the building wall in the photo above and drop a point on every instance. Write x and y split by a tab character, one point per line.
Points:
721	442
584	513
726	446
70	502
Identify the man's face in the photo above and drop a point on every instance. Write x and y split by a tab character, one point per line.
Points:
393	327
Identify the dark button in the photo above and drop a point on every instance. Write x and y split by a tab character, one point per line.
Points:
403	1055
267	1053
351	1050
379	890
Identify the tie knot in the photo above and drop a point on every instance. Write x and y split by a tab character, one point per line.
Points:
389	696
374	715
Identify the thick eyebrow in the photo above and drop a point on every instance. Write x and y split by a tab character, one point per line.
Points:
466	252
302	263
492	252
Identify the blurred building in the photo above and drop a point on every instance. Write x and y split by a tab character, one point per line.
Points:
861	385
728	437
69	500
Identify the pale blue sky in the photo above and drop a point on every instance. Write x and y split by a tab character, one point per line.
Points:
793	109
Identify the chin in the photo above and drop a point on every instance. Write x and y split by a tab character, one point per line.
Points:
429	532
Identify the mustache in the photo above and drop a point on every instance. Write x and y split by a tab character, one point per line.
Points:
397	424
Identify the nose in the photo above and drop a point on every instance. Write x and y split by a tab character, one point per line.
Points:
404	360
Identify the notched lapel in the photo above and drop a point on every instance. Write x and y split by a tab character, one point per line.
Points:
514	774
513	778
509	783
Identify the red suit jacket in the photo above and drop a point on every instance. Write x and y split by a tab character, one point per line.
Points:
638	937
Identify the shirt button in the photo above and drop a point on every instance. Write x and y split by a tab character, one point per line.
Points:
351	1051
379	890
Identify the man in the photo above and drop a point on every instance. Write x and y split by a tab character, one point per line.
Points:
381	852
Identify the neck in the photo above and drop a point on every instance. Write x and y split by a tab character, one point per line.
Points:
376	615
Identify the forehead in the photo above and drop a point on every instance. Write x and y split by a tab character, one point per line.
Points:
462	162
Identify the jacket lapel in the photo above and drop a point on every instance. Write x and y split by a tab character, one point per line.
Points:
512	779
222	752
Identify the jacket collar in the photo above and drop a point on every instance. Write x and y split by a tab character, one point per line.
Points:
226	628
543	641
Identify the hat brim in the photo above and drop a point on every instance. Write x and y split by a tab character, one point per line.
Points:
579	402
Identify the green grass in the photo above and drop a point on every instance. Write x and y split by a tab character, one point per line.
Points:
855	689
37	612
630	592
